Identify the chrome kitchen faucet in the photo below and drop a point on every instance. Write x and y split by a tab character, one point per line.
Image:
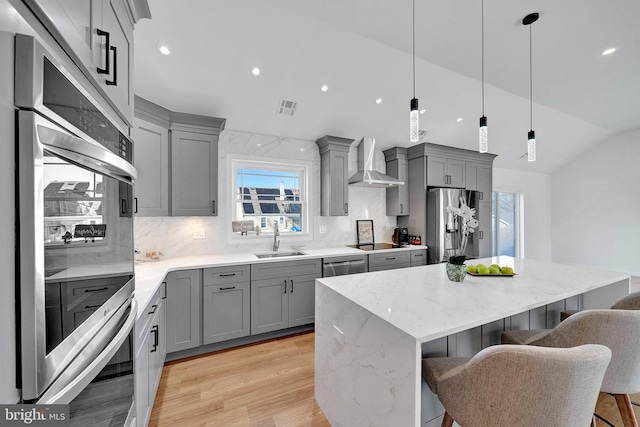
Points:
276	233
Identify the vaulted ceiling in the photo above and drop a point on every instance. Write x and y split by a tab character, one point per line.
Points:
362	50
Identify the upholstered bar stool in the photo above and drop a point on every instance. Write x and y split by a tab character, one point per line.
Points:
518	386
617	329
628	302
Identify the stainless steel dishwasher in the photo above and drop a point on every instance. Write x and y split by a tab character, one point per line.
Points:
345	264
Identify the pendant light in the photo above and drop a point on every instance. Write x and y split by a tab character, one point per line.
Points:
414	127
482	133
531	135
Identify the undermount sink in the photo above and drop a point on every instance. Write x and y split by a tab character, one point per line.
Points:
278	254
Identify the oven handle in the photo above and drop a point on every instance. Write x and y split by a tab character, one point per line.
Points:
102	348
82	152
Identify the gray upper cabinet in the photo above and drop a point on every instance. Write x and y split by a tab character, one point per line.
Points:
151	154
398	195
82	29
177	159
183	309
194	177
334	175
445	172
479	178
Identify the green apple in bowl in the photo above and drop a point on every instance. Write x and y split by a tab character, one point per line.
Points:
506	270
483	269
472	269
494	270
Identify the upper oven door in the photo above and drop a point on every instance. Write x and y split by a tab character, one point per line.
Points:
75	235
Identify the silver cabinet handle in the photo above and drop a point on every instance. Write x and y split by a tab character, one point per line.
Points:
346	208
401	208
481	234
164	284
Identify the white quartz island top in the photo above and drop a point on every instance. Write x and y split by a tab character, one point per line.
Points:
371	330
422	302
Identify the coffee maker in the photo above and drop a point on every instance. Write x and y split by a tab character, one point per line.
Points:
401	236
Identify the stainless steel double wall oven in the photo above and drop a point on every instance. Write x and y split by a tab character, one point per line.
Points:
75	237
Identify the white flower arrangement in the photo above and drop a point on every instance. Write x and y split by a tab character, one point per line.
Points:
468	225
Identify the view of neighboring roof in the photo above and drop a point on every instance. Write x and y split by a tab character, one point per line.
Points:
270	201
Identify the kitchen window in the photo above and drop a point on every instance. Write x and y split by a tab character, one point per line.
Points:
266	192
505	224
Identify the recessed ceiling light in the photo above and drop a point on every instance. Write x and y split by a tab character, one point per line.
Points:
255	71
302	149
609	51
164	49
324	88
423	111
379	101
459	120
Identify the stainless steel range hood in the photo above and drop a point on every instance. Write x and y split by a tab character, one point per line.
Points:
367	175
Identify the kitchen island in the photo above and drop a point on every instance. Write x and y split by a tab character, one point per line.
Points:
373	329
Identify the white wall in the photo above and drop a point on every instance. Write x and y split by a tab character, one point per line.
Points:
596	206
173	236
535	190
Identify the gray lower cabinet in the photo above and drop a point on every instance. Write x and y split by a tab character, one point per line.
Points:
283	294
183	309
150	355
389	260
418	257
225	303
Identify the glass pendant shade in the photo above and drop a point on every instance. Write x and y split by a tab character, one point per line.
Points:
531	146
414	127
483	138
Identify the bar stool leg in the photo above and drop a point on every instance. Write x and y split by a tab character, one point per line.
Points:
626	410
447	421
593	421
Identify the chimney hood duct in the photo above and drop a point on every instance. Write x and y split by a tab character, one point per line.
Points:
367	175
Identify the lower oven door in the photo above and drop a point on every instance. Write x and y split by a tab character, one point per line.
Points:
99	384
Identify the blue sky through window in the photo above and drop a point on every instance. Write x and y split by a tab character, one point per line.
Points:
267	179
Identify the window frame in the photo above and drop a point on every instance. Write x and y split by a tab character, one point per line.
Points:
263	163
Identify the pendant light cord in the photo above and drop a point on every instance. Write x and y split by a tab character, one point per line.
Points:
482	13
414	47
530	81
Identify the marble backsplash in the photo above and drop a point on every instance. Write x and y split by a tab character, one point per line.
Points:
174	236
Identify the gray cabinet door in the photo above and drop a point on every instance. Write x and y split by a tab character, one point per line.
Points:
142	381
118	82
302	300
194	174
183	310
485	237
418	257
269	305
437	171
225	312
479	178
398	195
151	154
456	171
338	180
334	175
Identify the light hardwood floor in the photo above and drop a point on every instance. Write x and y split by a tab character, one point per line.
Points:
269	384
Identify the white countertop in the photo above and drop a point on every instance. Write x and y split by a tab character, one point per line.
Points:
425	304
150	274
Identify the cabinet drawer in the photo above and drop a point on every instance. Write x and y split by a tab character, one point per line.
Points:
270	270
97	290
389	260
149	313
418	257
223	275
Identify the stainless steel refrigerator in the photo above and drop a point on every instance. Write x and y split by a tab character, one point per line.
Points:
442	226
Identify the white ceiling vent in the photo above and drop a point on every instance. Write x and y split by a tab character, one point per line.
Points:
422	133
286	108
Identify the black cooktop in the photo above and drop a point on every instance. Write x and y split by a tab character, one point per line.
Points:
375	246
